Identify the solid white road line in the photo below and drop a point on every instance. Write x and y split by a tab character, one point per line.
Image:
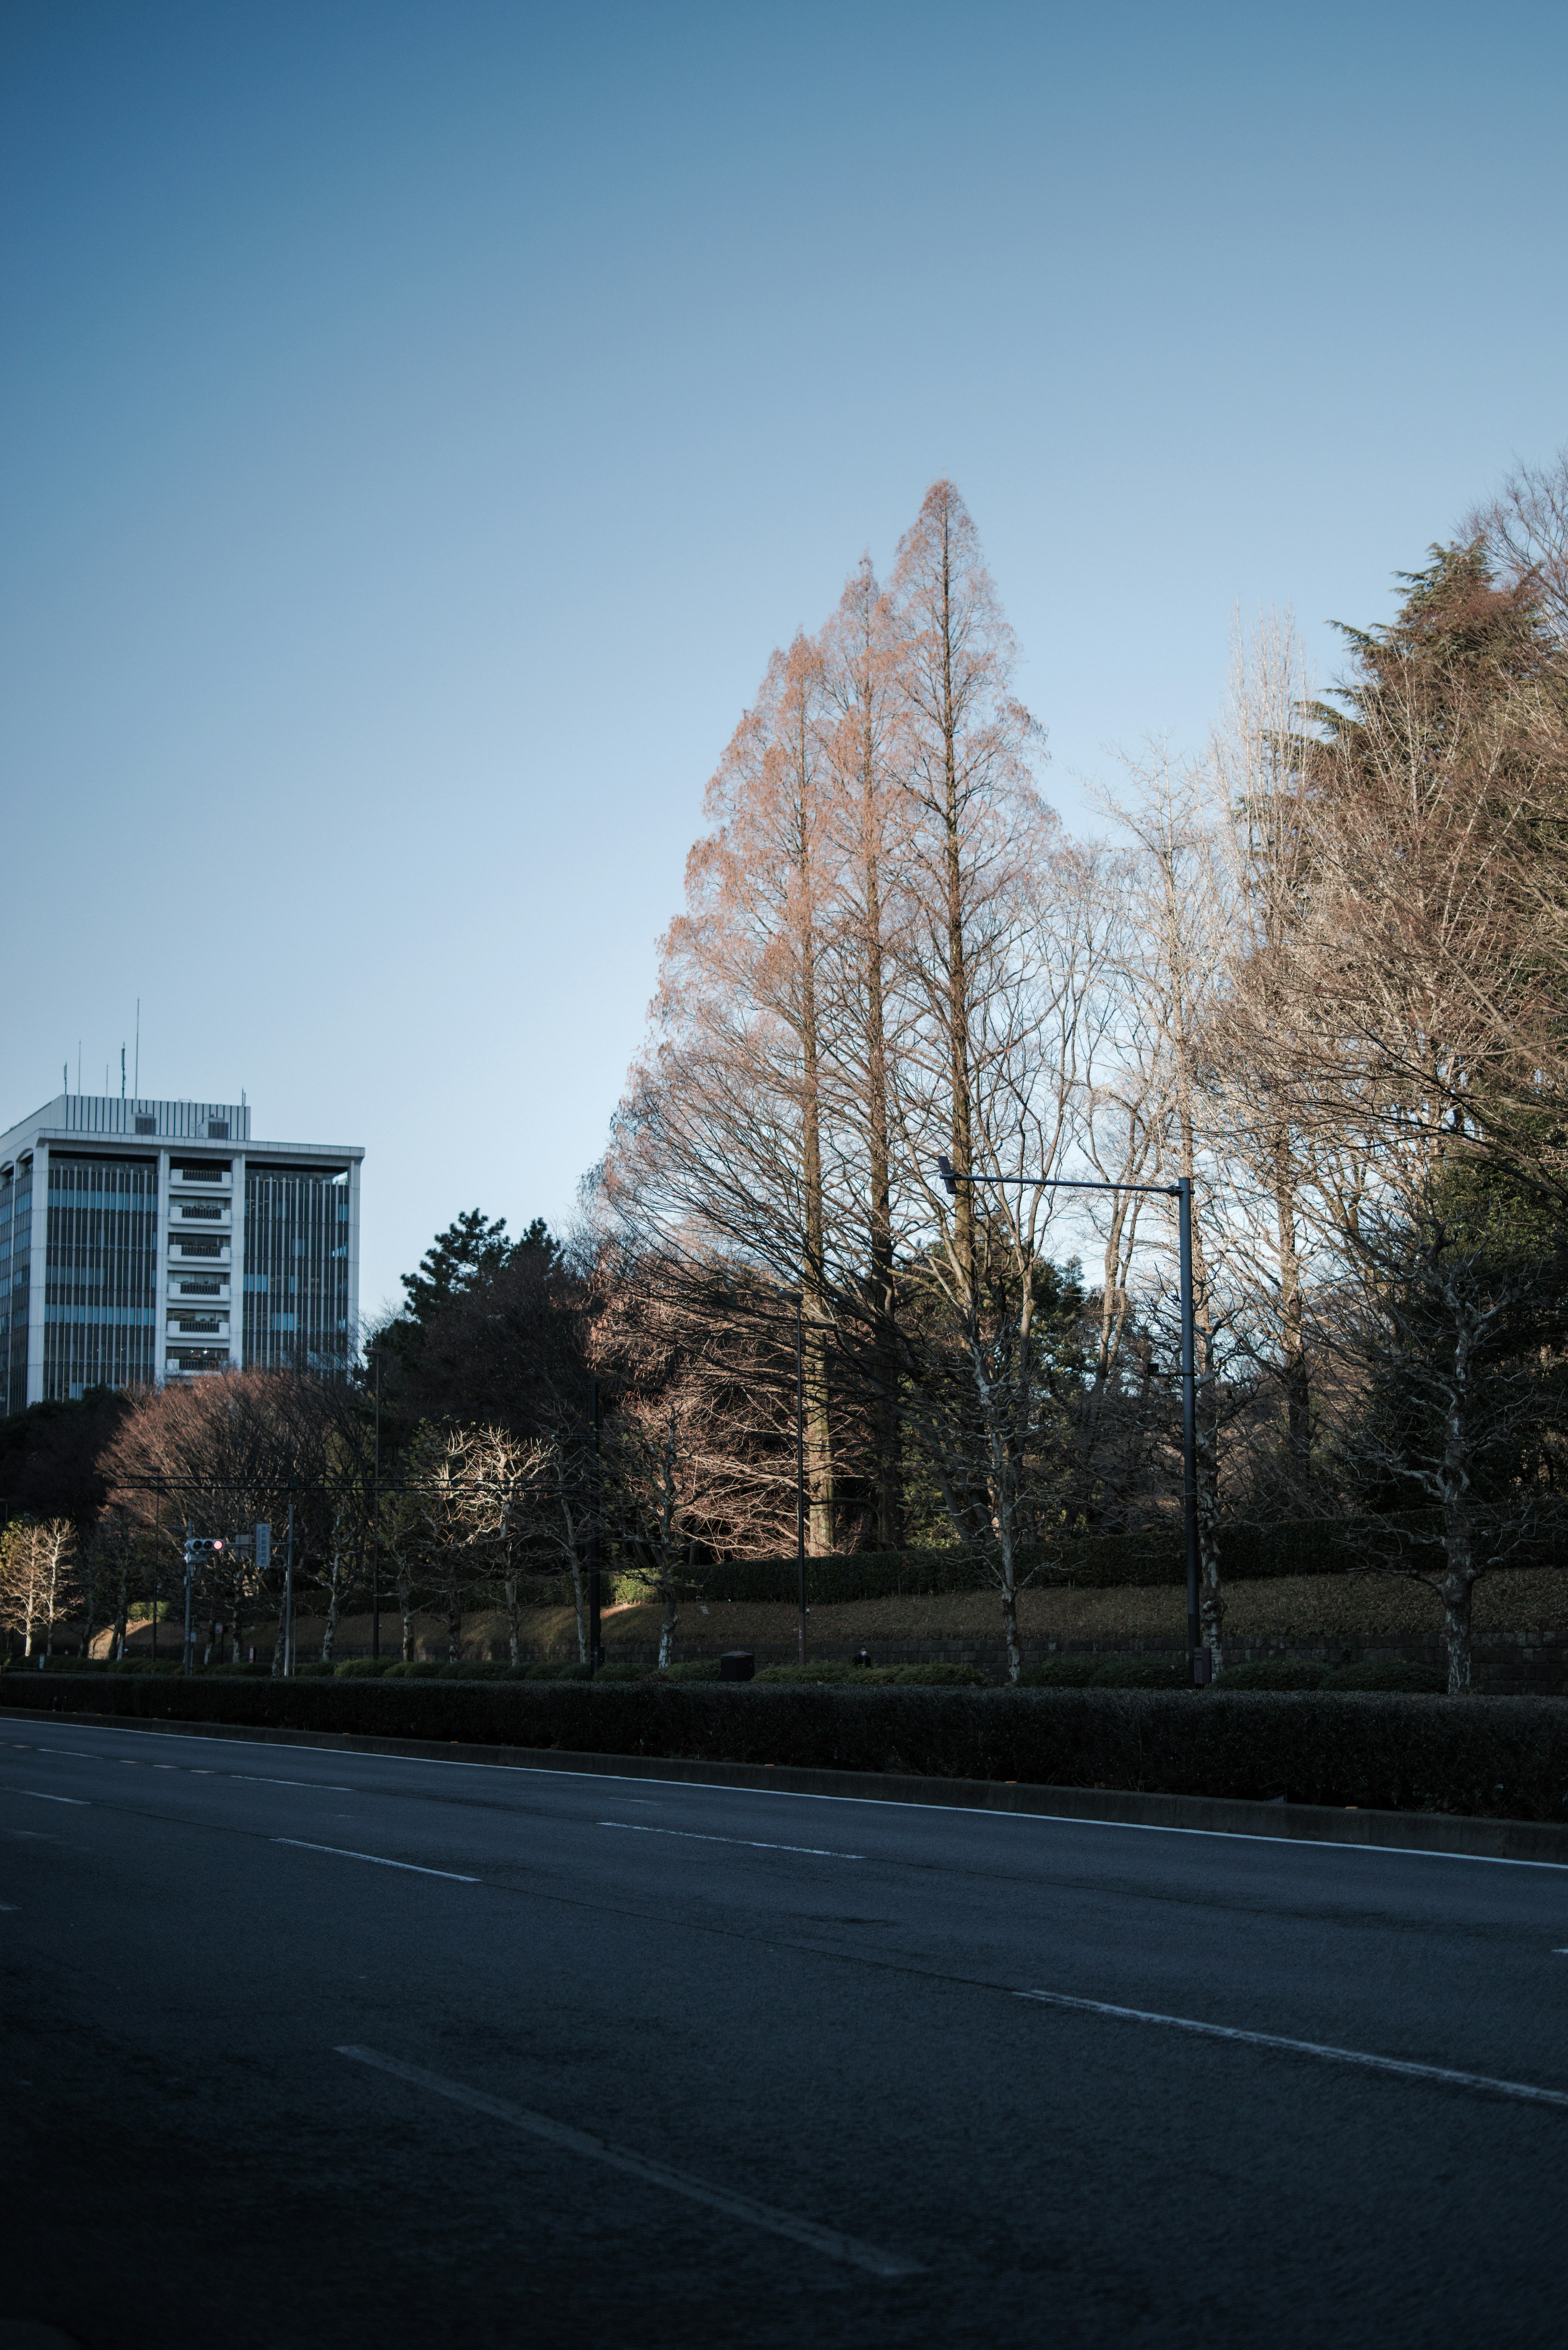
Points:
874	1803
749	1843
342	1853
763	2216
79	1801
253	1778
1523	2090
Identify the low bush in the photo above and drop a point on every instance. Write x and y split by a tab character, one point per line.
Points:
1275	1673
1506	1757
1060	1672
829	1672
1390	1673
363	1668
699	1668
1144	1672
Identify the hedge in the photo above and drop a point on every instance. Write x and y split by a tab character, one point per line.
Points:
1249	1553
1503	1757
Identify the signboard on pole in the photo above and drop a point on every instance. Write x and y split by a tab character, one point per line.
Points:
263	1549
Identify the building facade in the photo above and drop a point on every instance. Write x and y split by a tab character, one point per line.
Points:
146	1241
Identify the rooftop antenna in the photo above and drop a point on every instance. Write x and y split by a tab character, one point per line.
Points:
122	1073
66	1074
138	1048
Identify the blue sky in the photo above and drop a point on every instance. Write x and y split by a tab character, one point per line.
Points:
418	424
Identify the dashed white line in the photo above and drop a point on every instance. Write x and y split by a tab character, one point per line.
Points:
79	1802
749	1844
379	1858
1523	2090
764	2217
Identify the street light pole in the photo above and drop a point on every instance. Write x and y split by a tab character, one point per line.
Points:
1189	1409
376	1523
596	1649
1181	1193
800	1471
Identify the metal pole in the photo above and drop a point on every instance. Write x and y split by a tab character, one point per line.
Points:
288	1599
157	1545
185	1666
595	1651
376	1527
1189	1411
800	1467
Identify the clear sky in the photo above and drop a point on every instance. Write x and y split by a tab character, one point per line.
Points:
420	423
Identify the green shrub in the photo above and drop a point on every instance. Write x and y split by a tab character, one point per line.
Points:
699	1669
1506	1757
832	1672
1390	1673
935	1675
313	1671
1060	1672
361	1668
625	1672
811	1675
1144	1672
1275	1673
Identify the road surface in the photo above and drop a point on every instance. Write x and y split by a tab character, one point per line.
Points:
307	2048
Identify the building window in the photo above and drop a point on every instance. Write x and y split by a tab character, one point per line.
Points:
146	1124
217	1129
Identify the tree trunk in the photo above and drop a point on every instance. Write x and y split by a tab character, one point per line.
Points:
580	1602
667	1629
1292	1351
405	1611
1009	1625
886	1424
334	1605
513	1637
1458	1593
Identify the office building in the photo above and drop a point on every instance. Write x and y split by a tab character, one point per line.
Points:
145	1240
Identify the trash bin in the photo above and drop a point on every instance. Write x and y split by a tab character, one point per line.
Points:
737	1665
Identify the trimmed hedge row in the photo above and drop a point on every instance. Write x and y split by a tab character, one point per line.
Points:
1094	1561
1503	1757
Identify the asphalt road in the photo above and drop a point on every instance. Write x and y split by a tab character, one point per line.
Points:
620	2062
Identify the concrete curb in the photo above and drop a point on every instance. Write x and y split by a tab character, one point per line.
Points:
1538	1841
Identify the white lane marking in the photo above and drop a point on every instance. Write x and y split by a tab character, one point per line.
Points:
763	2216
749	1843
343	1852
9	1908
254	1779
1524	2090
80	1802
876	1802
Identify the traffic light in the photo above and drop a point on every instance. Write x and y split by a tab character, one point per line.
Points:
200	1549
